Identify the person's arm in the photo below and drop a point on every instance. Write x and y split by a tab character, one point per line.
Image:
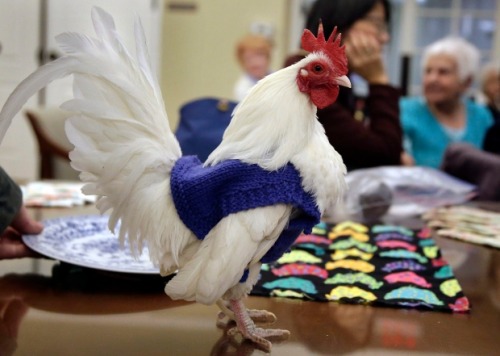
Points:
14	220
11	200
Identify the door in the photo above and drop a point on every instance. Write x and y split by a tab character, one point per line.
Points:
19	37
27	29
64	15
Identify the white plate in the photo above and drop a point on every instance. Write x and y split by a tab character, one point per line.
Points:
86	241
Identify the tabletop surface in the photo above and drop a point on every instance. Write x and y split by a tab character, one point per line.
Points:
48	315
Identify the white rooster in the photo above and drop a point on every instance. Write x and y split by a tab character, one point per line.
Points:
272	176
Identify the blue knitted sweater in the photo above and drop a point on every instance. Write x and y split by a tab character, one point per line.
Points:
203	196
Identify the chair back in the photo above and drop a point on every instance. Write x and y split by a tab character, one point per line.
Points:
202	124
53	144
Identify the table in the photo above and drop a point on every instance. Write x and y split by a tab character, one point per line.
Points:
44	318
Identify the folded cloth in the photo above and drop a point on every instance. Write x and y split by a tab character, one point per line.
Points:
474	166
466	223
55	194
382	265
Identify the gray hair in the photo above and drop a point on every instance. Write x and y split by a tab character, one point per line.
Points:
465	55
491	68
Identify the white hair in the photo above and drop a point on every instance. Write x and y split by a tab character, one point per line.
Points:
465	55
489	69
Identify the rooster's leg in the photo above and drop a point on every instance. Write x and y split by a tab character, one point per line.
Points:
247	328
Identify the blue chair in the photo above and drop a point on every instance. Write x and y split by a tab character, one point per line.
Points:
202	124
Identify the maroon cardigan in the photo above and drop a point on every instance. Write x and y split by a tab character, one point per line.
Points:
375	141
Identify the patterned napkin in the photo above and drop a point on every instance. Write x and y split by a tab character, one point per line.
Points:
466	223
55	194
382	265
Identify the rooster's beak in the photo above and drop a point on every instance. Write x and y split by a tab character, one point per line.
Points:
343	80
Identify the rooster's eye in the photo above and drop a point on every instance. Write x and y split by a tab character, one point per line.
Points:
317	68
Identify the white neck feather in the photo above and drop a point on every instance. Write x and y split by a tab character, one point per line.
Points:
276	124
272	124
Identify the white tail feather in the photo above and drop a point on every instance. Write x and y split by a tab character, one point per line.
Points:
124	146
29	86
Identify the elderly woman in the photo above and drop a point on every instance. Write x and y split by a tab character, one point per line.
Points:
490	86
443	115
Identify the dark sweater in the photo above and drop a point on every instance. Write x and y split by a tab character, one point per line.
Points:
492	139
375	141
11	199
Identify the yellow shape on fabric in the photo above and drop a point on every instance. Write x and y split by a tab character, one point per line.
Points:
349	232
450	287
350	292
287	294
351	225
355	265
431	251
318	231
352	252
299	256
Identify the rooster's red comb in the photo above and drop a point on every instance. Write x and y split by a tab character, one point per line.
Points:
331	47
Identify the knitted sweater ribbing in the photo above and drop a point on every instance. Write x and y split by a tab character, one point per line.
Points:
205	195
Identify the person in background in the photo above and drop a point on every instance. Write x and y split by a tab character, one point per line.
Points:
366	132
490	87
443	115
14	220
254	56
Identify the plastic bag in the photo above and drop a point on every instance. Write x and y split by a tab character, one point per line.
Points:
400	191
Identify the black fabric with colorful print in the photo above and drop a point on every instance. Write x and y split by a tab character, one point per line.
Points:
380	265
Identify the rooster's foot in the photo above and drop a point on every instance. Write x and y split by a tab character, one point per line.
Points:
258	316
261	316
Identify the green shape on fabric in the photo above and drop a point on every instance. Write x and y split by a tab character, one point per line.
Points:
351	278
413	293
444	272
427	242
292	283
350	242
320	229
318	251
404	254
392	228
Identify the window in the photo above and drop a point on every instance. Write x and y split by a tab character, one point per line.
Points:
473	20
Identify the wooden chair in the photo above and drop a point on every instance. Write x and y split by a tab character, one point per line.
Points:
53	145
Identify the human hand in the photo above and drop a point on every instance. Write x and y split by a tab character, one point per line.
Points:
407	160
364	53
11	244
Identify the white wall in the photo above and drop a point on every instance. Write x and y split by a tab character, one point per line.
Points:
198	46
19	32
197	56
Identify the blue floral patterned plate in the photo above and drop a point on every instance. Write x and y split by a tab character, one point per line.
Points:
86	241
